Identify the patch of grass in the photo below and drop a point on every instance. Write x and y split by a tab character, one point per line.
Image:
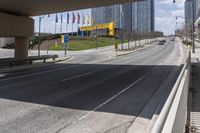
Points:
187	43
76	45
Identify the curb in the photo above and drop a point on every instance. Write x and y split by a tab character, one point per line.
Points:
137	50
63	59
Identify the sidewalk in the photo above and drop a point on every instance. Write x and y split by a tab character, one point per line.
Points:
195	91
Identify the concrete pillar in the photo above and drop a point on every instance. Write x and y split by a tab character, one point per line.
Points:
20	27
21	47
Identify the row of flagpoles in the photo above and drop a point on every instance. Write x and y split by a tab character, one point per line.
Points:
75	19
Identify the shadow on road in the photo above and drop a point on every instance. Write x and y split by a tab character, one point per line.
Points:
121	89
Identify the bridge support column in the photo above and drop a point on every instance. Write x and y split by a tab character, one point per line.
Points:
20	27
21	47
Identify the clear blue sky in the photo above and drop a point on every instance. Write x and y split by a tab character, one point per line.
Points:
165	13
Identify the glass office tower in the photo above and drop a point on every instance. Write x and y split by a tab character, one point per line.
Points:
138	16
143	16
188	13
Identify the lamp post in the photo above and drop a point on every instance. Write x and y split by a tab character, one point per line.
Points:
180	17
39	39
193	29
39	34
193	26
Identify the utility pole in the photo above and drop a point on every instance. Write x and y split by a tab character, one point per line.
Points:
193	25
193	28
39	34
40	20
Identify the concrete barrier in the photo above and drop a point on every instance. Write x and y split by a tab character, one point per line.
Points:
172	118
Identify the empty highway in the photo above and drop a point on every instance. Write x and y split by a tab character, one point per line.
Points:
87	94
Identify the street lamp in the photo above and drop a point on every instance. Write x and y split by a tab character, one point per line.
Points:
39	34
180	17
193	26
39	39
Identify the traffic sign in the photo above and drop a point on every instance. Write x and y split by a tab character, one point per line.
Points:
116	46
65	39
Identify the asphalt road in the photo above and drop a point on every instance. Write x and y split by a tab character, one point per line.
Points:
87	95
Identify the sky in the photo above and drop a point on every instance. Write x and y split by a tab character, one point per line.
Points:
165	15
165	18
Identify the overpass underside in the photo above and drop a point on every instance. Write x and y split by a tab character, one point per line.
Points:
16	22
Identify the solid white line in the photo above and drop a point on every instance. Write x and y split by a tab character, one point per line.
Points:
112	98
2	75
78	76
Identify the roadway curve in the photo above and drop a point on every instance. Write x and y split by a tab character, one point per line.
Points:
117	95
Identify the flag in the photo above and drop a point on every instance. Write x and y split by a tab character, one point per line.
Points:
56	18
88	19
67	18
73	19
83	19
61	17
78	19
93	21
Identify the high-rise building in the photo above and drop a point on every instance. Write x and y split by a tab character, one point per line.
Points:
127	16
107	14
130	16
197	9
188	13
99	15
143	16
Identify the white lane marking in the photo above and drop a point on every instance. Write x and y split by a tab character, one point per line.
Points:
110	99
78	76
37	73
2	75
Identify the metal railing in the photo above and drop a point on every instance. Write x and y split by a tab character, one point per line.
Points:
12	61
172	118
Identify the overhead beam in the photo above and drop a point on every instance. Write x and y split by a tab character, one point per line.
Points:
16	26
39	7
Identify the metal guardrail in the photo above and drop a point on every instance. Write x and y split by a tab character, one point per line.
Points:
12	61
172	118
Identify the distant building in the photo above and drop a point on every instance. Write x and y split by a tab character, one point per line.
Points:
197	9
138	16
127	16
188	13
107	14
143	16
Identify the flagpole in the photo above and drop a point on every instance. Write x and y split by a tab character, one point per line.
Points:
55	27
72	29
61	23
56	23
77	29
61	29
77	23
66	27
67	22
82	33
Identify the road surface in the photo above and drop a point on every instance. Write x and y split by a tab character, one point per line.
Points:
89	95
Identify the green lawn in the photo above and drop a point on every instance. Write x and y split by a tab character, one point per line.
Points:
76	45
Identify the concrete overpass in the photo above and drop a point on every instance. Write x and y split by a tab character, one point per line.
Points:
16	21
